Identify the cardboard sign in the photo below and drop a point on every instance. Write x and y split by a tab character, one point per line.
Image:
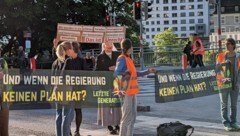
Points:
90	34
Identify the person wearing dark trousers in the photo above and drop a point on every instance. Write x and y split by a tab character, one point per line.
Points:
108	116
76	63
187	50
198	52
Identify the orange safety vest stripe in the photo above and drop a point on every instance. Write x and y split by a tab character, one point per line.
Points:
133	83
199	51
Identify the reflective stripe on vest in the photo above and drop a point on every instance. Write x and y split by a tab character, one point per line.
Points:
199	51
133	83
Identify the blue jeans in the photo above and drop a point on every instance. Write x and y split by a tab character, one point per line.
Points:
64	117
224	95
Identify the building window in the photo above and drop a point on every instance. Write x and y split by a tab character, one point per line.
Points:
200	0
183	35
183	21
147	29
200	13
175	29
223	29
191	7
165	15
191	21
174	7
147	36
191	0
166	22
158	29
200	27
153	29
236	19
182	7
174	1
165	1
200	20
174	14
191	14
192	28
165	8
174	22
183	14
165	28
147	23
182	1
200	6
222	9
223	20
153	36
183	28
152	23
158	15
157	1
236	8
158	22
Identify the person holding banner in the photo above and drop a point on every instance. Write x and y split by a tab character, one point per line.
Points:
126	68
106	61
4	112
64	113
76	63
232	60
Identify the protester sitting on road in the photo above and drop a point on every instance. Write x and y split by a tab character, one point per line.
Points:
108	116
126	68
232	59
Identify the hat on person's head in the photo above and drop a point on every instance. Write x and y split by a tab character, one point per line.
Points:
126	44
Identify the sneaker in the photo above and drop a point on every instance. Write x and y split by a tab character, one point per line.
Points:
235	126
227	127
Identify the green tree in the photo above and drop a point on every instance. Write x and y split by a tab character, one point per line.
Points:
41	18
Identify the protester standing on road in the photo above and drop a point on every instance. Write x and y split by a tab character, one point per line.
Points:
64	113
89	61
126	68
108	116
198	52
232	59
76	63
21	58
187	50
4	112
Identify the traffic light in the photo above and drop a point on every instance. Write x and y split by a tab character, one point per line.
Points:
147	9
108	20
137	10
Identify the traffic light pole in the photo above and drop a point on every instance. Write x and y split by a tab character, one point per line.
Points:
219	26
141	43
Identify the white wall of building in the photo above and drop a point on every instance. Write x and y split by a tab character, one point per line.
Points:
184	25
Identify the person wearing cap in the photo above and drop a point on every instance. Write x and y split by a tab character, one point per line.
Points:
232	59
126	68
198	51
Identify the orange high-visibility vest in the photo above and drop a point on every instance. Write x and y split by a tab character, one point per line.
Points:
132	88
199	51
220	59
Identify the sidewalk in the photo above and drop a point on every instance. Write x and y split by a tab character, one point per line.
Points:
146	126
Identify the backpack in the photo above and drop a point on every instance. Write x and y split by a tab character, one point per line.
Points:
173	129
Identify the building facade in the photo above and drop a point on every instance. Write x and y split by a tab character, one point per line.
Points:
185	16
230	16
